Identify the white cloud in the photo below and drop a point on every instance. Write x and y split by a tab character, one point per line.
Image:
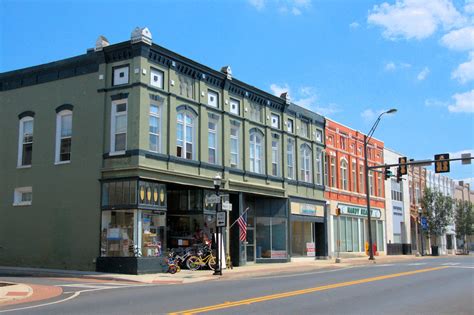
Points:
464	102
414	19
431	102
390	66
469	7
354	25
278	89
423	74
465	71
461	39
258	4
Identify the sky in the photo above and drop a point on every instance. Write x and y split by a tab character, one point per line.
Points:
347	60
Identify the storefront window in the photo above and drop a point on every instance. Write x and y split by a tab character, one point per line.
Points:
153	234
271	237
302	235
117	239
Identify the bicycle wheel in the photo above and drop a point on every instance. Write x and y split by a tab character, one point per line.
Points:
212	263
193	263
172	269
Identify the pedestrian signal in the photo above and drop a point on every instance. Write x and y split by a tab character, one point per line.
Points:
442	163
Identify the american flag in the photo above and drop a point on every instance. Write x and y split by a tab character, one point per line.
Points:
243	228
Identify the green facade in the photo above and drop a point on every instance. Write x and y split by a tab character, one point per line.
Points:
61	228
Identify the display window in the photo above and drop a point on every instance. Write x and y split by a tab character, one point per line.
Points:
117	239
152	233
271	236
302	240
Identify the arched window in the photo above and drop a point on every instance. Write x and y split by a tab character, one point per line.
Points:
343	174
63	136
25	141
256	151
185	135
305	163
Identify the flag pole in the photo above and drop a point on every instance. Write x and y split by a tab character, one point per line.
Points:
248	208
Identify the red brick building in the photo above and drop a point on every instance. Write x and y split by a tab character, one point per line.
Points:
345	189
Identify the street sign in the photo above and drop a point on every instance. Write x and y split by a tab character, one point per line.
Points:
424	223
441	165
213	198
221	219
227	206
466	158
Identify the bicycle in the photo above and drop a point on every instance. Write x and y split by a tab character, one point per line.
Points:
173	267
200	260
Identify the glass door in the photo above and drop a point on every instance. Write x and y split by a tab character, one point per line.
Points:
250	242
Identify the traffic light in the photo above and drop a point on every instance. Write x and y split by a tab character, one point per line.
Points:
399	175
338	212
442	163
387	173
403	166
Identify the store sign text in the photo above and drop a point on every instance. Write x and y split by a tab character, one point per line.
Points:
358	211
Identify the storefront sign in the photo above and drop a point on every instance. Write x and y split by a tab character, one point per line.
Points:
213	199
307	209
226	206
310	249
360	212
221	219
278	253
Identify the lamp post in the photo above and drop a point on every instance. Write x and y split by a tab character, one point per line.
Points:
367	187
217	186
420	211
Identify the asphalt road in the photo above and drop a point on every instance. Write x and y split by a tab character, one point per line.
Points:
428	286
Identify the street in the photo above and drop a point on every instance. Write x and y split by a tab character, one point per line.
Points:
427	286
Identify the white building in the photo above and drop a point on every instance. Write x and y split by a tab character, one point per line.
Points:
397	205
447	242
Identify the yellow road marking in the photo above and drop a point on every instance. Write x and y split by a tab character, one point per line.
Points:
299	292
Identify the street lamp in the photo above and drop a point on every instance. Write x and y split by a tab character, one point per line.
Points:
366	166
217	186
420	210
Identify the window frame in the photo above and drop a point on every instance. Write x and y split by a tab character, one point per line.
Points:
232	102
21	143
319	166
290	152
276	123
257	134
113	126
275	157
158	116
18	194
290	125
235	138
216	139
306	171
343	167
59	137
184	140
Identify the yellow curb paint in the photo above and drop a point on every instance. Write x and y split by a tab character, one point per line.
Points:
300	292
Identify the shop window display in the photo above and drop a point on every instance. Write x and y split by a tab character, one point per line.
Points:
153	234
117	234
271	237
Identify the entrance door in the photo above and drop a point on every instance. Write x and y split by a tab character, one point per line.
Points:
303	233
250	246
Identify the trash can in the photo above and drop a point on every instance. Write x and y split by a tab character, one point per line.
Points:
434	251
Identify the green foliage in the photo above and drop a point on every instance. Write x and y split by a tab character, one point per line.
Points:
439	210
464	219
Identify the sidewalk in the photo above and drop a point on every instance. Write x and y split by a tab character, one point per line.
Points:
16	292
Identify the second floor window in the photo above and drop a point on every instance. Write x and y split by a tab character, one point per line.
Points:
275	157
212	141
256	151
333	171
155	128
185	135
63	136
343	175
361	179
304	131
326	170
305	163
290	156
319	166
354	175
119	127
25	143
371	183
234	146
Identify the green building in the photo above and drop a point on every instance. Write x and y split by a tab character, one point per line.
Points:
108	159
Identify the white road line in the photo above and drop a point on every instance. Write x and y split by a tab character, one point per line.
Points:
384	265
464	267
450	264
75	295
416	264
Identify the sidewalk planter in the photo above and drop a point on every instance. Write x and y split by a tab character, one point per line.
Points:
131	265
434	251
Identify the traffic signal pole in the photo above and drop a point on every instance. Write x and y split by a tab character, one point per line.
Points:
419	163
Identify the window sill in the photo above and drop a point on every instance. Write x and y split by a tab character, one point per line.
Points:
117	153
22	204
23	166
62	162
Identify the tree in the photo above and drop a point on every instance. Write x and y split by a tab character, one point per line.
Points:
439	209
464	220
